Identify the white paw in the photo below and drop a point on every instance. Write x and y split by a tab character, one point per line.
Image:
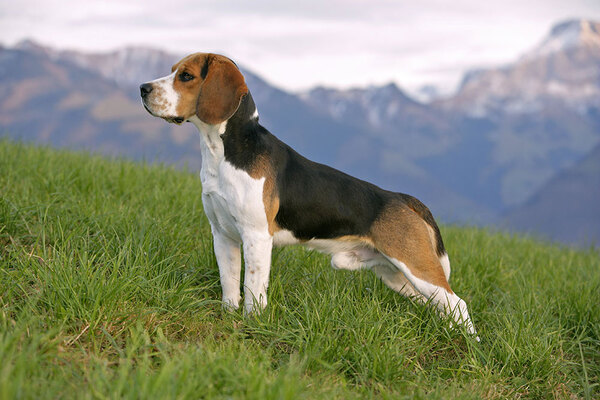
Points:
230	304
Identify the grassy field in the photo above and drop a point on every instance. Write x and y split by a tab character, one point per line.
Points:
109	289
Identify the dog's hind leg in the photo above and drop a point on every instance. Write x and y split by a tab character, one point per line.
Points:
406	241
396	281
439	294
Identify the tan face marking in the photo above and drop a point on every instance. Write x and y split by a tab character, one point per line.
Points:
263	168
189	91
185	93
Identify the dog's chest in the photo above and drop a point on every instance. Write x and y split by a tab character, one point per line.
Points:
232	199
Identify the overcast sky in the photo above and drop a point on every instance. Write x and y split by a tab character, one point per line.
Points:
298	44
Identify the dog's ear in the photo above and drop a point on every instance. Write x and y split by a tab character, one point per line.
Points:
222	90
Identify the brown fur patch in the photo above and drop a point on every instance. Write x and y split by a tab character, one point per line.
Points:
189	91
402	234
222	91
431	233
263	168
421	209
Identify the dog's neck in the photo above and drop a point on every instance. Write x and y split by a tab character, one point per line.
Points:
228	138
211	143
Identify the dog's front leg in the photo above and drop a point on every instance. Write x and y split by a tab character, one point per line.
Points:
257	257
229	260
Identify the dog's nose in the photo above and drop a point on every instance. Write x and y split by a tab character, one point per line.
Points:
145	89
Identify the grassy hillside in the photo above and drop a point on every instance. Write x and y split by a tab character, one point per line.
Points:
109	289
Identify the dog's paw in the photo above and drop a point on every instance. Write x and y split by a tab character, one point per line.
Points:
230	304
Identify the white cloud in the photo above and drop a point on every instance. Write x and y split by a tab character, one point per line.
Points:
342	43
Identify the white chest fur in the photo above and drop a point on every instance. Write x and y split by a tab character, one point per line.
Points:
232	199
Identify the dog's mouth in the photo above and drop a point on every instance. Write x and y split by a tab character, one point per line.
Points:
147	109
172	120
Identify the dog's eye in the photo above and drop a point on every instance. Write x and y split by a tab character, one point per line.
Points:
185	77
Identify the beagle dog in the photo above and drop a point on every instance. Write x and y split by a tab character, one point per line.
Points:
258	193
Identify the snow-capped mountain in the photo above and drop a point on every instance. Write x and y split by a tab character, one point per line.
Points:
126	67
387	113
562	71
373	106
566	35
428	93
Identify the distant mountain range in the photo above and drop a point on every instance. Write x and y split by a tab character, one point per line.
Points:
484	155
567	207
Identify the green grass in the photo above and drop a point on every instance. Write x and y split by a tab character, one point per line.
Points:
109	289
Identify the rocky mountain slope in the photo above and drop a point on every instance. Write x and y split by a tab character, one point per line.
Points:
566	208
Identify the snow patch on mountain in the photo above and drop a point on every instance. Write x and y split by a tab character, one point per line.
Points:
563	71
566	35
127	67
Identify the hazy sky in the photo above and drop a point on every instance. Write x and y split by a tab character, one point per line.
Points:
299	44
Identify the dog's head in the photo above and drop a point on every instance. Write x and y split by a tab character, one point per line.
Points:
209	86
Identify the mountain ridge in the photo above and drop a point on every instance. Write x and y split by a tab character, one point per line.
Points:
567	203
